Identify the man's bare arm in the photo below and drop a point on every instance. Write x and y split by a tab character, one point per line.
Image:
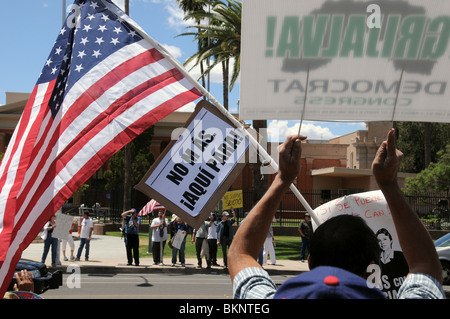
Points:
416	243
251	235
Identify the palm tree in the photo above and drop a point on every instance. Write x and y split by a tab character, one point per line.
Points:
224	44
223	35
189	7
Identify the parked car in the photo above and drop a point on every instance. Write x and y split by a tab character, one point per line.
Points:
42	278
443	250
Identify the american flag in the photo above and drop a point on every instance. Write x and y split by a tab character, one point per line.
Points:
104	83
151	206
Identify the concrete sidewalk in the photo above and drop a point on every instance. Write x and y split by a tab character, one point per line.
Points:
107	255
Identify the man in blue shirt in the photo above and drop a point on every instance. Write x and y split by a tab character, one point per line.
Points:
132	223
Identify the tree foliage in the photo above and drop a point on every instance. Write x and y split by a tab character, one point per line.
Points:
218	32
142	159
436	177
411	141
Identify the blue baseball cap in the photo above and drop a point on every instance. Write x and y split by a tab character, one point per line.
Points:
327	283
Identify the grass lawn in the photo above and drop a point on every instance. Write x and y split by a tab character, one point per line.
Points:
287	247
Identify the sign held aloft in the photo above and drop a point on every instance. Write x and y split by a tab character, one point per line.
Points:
344	60
232	199
198	166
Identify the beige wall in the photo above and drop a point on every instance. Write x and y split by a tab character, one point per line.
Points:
363	144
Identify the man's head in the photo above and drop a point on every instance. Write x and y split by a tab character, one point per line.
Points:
345	242
225	216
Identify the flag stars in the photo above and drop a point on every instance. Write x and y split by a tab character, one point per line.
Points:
102	28
94	5
87	27
99	41
79	67
96	53
117	30
96	34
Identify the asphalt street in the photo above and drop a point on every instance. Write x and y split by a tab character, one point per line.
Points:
106	275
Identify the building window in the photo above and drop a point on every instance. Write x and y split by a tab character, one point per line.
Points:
325	194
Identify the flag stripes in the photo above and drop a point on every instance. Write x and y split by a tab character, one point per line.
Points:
151	206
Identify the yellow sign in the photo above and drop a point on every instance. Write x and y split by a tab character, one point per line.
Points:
233	199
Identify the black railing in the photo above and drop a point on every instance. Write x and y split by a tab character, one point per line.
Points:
431	207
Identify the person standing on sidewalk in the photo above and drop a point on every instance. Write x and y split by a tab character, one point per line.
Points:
199	236
178	225
212	240
132	223
269	248
87	227
159	237
305	229
225	234
68	240
49	241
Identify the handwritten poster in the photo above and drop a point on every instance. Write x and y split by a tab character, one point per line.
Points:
233	199
372	207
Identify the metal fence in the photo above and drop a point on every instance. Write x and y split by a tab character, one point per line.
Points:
431	207
103	206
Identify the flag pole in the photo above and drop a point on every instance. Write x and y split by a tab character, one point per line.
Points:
219	106
304	102
396	97
63	11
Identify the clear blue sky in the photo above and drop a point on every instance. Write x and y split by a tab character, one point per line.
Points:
28	29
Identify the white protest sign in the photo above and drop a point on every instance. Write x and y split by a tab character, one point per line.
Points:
197	168
63	226
178	239
345	60
372	207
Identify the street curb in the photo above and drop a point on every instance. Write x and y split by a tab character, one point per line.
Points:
113	270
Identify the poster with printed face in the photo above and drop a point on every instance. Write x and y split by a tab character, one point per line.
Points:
345	60
372	207
196	169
